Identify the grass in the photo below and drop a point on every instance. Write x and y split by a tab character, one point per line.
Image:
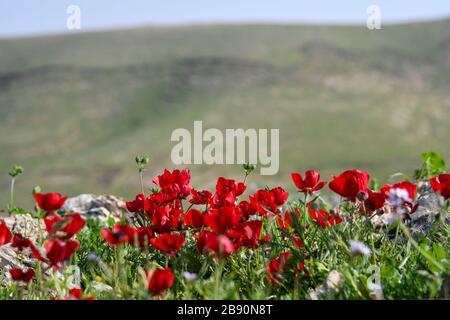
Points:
396	266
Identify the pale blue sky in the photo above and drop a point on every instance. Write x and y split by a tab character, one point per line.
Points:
30	17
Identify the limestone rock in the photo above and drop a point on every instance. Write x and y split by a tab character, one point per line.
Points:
10	258
29	227
428	212
26	225
99	207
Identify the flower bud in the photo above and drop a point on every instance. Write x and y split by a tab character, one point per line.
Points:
363	196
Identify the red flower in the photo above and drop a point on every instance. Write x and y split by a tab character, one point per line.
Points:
161	280
119	234
223	219
350	184
375	200
298	242
223	200
277	267
77	294
158	198
247	234
247	209
165	219
324	218
279	196
269	200
168	243
175	183
261	200
193	218
219	244
20	275
143	235
310	184
122	233
225	186
441	185
63	227
411	188
59	251
22	243
227	191
201	240
286	221
5	233
139	204
50	201
200	197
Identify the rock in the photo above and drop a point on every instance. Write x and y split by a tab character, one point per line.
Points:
100	207
26	225
428	212
29	227
332	284
10	258
100	287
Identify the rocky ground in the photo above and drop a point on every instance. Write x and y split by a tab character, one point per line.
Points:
101	207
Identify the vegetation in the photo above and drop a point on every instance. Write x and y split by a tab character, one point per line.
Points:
228	243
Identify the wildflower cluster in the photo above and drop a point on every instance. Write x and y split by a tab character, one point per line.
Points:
177	235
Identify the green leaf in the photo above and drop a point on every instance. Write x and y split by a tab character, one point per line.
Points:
110	222
19	211
435	160
439	251
433	165
373	185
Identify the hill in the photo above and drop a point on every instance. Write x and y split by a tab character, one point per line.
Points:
75	109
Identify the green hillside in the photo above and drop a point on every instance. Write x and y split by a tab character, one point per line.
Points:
76	109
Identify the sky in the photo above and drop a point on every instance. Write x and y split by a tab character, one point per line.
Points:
34	17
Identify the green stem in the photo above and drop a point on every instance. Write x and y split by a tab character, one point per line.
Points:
142	182
421	251
218	280
305	211
190	206
11	196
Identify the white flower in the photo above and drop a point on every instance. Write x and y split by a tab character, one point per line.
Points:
397	197
359	248
393	217
189	276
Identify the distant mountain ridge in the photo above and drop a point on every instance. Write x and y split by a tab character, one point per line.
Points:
76	109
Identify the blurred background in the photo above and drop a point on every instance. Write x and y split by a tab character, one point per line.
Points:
76	106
